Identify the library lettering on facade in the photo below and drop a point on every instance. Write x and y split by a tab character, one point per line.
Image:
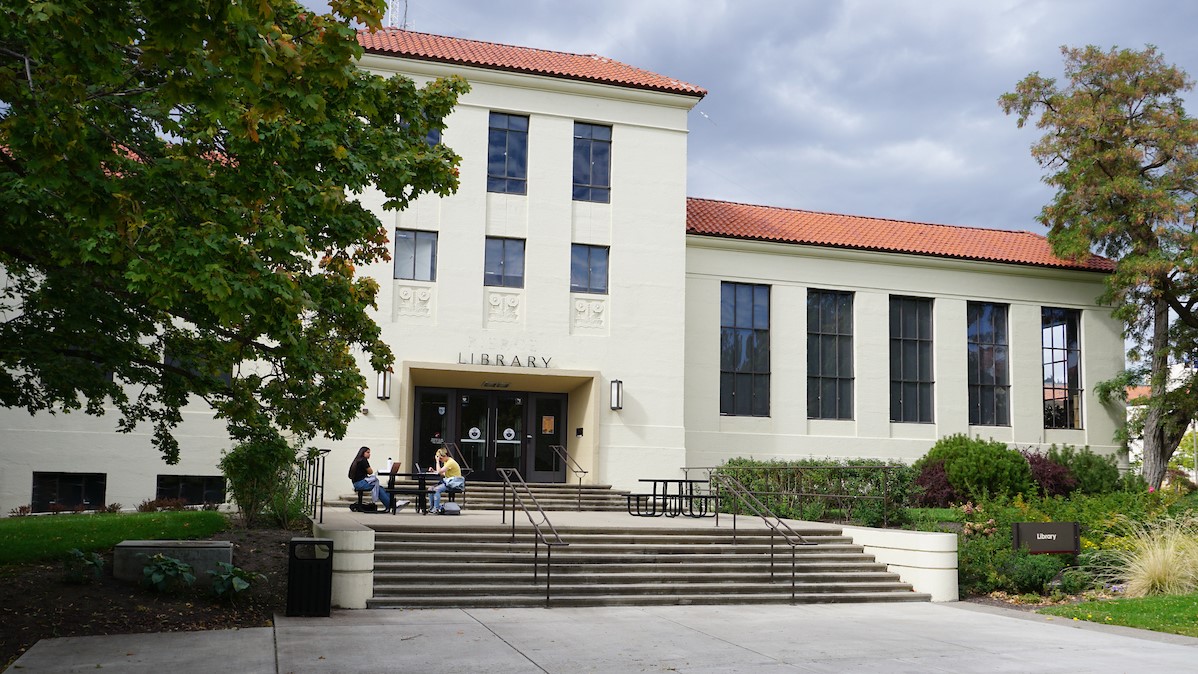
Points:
572	294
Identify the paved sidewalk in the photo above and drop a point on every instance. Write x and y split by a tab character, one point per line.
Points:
909	637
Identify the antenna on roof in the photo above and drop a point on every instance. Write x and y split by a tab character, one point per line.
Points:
393	16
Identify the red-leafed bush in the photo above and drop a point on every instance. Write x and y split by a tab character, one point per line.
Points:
1053	479
932	487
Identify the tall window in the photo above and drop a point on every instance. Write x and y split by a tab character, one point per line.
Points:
989	385
1061	347
911	381
592	162
54	492
504	265
415	255
588	269
829	354
507	154
745	349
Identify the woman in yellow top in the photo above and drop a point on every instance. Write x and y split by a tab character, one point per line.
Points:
451	478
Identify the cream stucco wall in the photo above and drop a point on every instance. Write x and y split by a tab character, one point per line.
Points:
791	270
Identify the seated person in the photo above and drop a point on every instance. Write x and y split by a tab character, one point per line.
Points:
363	477
451	478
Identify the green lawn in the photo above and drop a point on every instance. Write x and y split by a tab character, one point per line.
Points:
32	539
1175	614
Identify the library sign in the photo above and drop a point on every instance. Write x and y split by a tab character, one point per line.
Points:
1041	538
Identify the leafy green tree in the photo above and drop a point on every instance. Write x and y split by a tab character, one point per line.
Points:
177	181
1123	156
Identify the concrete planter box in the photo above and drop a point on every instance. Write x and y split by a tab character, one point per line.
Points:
129	558
927	560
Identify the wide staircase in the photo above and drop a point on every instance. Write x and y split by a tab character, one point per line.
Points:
424	565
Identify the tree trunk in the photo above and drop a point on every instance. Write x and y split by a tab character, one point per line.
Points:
1159	443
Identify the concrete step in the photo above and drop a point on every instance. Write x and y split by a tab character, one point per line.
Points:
386	570
389	583
536	597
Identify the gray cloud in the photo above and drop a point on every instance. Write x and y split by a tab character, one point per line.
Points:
881	108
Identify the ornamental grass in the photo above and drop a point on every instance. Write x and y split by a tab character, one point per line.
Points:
1151	558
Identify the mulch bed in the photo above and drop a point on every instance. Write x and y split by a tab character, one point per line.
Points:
37	603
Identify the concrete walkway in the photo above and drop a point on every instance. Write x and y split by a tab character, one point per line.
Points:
909	637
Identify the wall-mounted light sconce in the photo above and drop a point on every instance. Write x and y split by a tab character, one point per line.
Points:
384	386
617	394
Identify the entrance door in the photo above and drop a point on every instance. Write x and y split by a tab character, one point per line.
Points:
509	447
547	427
493	430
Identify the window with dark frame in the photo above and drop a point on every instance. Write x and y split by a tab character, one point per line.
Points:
588	269
57	492
592	162
911	378
193	489
829	354
989	384
1060	331
415	255
744	349
196	368
507	154
504	264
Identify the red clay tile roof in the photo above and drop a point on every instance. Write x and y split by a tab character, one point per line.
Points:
784	225
493	56
1134	392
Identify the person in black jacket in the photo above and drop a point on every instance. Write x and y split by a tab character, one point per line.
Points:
363	477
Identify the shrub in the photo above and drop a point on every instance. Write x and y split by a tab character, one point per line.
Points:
82	567
167	574
1053	478
21	511
1076	581
113	508
257	470
823	489
979	469
1095	474
932	487
1032	573
1178	480
1153	557
230	581
157	504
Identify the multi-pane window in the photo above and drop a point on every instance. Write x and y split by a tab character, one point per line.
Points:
911	380
196	368
592	162
415	255
829	354
507	154
504	264
745	349
1061	348
588	268
193	489
55	492
989	385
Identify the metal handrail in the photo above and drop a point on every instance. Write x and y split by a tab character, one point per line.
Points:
723	481
314	484
456	453
800	493
574	468
517	497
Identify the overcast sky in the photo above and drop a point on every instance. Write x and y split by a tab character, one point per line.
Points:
884	108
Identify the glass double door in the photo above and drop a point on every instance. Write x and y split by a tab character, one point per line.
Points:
493	430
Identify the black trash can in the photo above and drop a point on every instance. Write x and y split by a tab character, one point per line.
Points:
309	577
